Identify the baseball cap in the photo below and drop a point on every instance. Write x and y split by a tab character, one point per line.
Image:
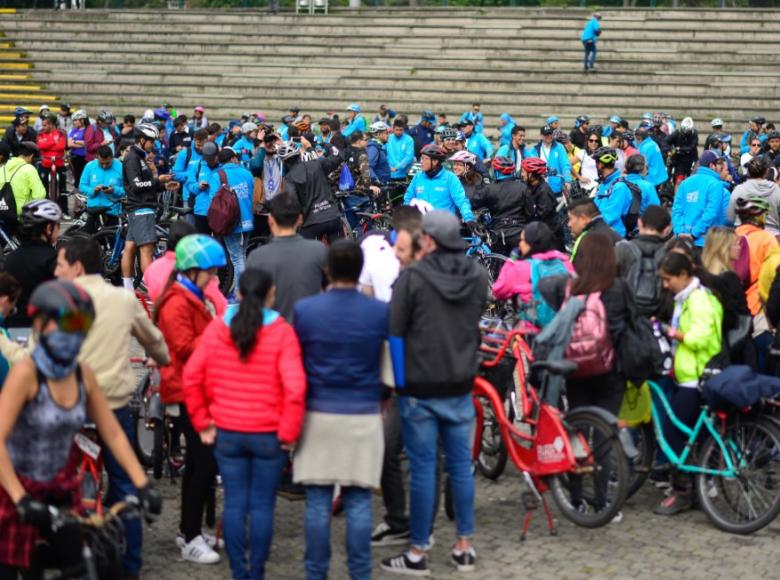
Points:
209	149
546	130
708	158
443	227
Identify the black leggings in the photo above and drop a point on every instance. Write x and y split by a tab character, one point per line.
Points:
200	469
332	230
686	404
9	572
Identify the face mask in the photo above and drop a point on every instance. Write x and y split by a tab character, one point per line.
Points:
56	356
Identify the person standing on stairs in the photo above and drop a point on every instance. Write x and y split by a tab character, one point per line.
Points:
589	37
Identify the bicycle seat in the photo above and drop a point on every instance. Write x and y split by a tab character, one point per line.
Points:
556	367
97	210
181	210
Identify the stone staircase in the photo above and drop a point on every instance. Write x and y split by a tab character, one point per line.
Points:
526	62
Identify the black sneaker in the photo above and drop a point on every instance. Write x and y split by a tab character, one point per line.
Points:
403	565
464	561
384	535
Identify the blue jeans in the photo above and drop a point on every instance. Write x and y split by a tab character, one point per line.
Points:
119	487
251	466
319	509
425	422
351	202
236	249
590	54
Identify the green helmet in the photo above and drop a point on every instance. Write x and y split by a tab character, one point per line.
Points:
752	204
200	252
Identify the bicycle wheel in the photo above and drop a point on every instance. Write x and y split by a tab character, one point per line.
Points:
112	265
593	497
346	230
751	500
158	449
492	458
144	439
644	439
493	264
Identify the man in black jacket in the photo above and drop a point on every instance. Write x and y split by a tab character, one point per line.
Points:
434	328
584	218
18	133
142	185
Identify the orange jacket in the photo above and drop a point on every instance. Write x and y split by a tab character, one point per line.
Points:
760	243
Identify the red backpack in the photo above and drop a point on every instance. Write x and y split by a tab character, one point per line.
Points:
224	211
590	345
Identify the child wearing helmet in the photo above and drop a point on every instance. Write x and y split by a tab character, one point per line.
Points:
463	165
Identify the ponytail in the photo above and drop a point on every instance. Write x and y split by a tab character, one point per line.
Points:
254	286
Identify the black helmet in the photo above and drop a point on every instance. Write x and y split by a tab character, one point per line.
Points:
641	132
773	135
758	120
434	152
64	302
581	120
605	155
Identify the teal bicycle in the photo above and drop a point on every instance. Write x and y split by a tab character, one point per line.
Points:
734	458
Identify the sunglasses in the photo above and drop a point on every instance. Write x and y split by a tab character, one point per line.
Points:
593	140
755	144
70	322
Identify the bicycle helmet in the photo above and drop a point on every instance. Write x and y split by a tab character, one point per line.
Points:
535	166
716	139
605	155
422	205
106	116
65	303
464	157
641	132
773	135
686	125
199	251
758	120
648	116
434	152
248	127
561	136
546	130
19	111
147	130
354	107
581	120
716	122
503	165
162	114
41	211
79	115
628	135
449	134
752	205
287	149
378	127
461	137
552	119
615	119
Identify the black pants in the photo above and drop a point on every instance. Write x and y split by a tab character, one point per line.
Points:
332	230
686	404
202	224
200	469
78	164
94	223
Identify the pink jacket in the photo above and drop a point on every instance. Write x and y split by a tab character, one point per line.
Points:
158	272
515	276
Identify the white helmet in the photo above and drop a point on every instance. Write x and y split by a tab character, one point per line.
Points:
378	127
717	122
80	114
287	149
248	127
148	115
422	205
686	124
147	130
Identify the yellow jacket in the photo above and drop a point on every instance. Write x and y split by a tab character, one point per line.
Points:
25	182
767	273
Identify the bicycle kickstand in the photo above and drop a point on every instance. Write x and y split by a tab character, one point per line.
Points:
550	522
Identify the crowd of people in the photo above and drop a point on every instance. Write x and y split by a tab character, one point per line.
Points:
328	357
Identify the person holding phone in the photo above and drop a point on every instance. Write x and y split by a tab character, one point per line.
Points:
101	182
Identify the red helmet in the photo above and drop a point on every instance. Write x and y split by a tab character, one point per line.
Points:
434	152
535	165
503	165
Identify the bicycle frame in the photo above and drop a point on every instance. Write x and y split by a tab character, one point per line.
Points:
703	423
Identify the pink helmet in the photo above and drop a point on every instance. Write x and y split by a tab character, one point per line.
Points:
464	157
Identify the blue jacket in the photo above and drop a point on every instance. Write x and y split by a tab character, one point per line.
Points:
614	200
656	168
342	368
200	199
558	165
477	118
422	136
244	148
181	167
243	184
744	143
506	130
377	162
95	175
479	145
590	30
698	204
400	154
357	124
444	191
649	194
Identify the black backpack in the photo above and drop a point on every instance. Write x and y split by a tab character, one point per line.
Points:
8	208
631	219
643	278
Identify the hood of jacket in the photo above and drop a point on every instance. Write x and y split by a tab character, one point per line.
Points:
762	187
507	118
451	274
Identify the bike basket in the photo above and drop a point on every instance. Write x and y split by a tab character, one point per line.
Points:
500	376
637	405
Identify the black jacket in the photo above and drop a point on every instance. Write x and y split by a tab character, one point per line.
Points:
435	309
598	224
31	264
579	138
510	205
141	185
308	180
13	141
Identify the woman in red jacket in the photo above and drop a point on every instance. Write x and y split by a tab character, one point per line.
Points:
52	143
244	386
183	312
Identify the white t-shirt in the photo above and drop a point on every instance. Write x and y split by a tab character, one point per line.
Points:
380	266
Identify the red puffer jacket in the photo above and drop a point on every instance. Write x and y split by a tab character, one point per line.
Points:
182	319
52	144
262	394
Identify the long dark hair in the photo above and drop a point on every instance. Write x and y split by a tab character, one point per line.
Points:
595	264
254	286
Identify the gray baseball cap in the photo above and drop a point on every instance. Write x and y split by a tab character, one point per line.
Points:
444	227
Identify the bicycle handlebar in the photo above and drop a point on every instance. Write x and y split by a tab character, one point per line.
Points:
497	342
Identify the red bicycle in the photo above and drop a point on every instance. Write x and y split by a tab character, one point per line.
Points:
578	456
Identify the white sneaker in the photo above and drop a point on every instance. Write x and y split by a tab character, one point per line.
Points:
617	518
199	551
210	540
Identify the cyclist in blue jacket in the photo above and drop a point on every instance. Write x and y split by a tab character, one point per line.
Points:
400	151
557	160
507	124
656	168
477	143
245	146
475	116
589	37
101	182
698	202
198	186
378	165
355	121
613	197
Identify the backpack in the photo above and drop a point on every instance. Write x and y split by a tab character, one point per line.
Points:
346	181
643	279
631	218
8	208
224	211
590	345
541	313
643	351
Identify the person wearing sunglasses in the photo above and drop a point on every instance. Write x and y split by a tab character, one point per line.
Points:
45	401
589	175
753	151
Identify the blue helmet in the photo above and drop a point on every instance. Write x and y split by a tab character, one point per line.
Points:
200	252
615	119
552	119
354	107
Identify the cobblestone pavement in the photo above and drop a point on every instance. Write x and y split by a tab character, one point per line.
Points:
642	545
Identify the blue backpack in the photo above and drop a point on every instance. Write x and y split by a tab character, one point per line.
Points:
540	312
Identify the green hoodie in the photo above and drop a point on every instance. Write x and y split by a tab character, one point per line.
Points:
25	182
700	321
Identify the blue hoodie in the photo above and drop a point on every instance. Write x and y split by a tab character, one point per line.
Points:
506	130
477	118
244	148
656	168
614	200
378	165
479	145
698	204
444	191
590	30
649	194
243	184
400	154
744	143
181	167
200	199
95	175
356	124
558	164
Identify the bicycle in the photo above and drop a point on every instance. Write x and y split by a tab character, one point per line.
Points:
736	466
90	470
9	240
578	456
479	249
371	214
